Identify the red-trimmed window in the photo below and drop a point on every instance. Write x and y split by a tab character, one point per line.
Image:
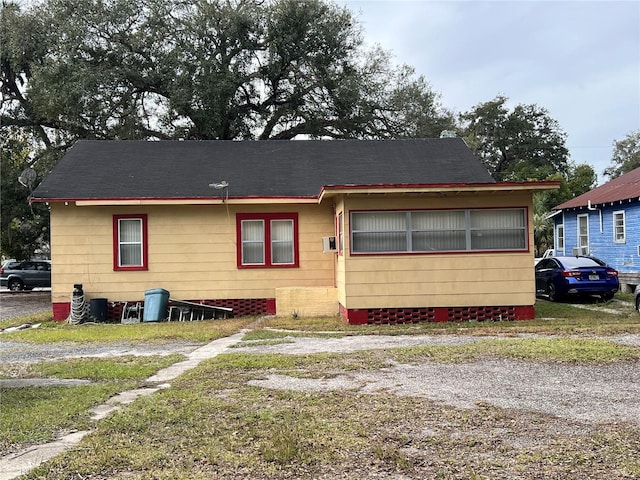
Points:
267	240
130	242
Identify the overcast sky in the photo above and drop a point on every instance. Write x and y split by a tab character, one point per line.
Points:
580	60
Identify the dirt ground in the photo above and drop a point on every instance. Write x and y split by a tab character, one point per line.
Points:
16	304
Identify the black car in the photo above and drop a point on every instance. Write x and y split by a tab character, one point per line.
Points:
25	275
557	277
637	298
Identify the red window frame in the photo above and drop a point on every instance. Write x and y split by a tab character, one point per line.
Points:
116	243
266	218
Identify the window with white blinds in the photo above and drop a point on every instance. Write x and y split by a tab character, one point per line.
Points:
267	240
130	249
438	230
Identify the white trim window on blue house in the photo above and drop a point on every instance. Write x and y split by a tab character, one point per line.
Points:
619	233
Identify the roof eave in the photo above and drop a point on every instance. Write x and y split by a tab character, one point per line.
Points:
437	189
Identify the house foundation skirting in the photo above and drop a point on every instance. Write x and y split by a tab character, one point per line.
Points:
379	316
242	307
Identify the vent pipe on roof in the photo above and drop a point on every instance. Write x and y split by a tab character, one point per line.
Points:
589	207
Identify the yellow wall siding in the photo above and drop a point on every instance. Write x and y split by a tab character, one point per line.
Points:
437	280
192	253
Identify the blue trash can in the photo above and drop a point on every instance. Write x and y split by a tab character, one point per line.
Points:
155	305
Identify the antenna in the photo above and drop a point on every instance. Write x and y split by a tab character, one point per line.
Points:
223	185
27	177
219	186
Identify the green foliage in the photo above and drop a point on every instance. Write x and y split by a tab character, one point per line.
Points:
524	143
240	69
626	155
578	180
24	228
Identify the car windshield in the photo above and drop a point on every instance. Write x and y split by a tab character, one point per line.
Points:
577	262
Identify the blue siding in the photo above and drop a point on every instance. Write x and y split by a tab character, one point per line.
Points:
621	256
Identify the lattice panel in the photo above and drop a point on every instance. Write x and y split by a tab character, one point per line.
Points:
400	315
481	314
242	307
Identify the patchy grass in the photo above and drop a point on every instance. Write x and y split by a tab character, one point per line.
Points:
551	319
211	424
38	414
150	332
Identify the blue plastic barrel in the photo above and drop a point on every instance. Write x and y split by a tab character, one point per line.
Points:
155	305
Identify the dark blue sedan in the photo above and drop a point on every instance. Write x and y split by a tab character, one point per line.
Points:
558	277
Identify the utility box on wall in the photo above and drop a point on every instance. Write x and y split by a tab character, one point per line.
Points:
329	244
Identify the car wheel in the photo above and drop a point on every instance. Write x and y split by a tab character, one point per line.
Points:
638	304
15	285
607	296
552	292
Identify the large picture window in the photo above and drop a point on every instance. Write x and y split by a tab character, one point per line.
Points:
130	242
267	240
439	230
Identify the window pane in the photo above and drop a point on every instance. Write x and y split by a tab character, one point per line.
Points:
497	239
130	230
379	242
498	229
560	237
281	241
438	231
252	242
438	220
495	219
379	221
618	226
379	232
130	244
583	231
438	241
130	255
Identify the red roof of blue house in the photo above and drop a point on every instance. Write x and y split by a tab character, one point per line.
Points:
623	188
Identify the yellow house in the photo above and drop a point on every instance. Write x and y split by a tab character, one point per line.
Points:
378	231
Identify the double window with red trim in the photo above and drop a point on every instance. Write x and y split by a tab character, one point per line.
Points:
267	240
130	250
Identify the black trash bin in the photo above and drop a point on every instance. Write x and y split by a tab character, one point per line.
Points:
98	309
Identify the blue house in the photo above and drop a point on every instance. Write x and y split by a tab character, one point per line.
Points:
605	223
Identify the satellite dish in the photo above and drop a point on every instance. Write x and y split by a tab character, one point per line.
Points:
27	177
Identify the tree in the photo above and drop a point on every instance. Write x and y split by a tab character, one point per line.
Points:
204	69
515	145
626	155
578	180
24	228
208	69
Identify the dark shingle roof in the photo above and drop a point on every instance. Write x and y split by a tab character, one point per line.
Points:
176	169
624	187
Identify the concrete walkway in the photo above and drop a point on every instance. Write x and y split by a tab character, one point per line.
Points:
20	463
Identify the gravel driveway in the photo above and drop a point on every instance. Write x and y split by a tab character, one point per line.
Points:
585	393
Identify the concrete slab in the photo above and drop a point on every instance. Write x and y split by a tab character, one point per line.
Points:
21	463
